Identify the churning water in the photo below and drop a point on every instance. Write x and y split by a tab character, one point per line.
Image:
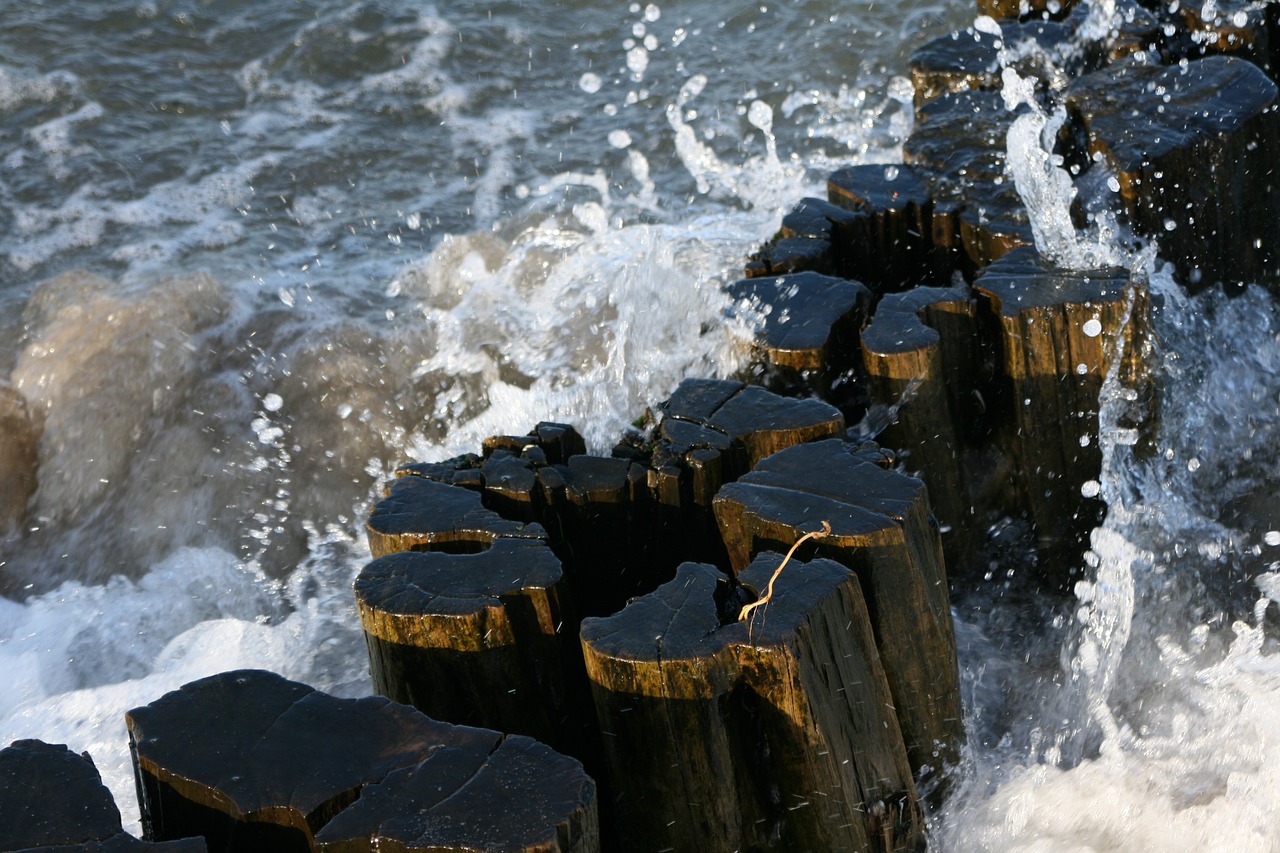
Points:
322	237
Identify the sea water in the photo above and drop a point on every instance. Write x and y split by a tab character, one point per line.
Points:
255	254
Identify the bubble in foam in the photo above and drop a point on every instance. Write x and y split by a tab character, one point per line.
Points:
760	115
637	60
590	83
987	24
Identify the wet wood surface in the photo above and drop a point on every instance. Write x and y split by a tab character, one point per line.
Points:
775	733
1188	170
923	357
53	799
254	762
882	529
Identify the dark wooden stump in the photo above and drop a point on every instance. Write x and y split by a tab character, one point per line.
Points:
809	343
756	422
522	795
969	58
52	799
960	142
254	762
899	237
772	734
419	514
1193	149
476	639
806	242
1062	330
923	356
882	528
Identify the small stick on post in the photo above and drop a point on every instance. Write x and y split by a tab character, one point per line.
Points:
768	594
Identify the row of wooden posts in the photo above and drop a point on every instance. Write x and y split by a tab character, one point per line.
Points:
582	652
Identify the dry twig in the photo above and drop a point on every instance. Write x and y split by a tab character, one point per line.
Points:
768	594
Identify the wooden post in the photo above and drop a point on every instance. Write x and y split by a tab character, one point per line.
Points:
54	800
777	733
254	762
803	243
477	639
426	515
1187	170
922	352
899	237
969	58
883	530
1061	331
959	141
808	346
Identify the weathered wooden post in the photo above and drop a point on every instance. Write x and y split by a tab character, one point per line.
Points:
254	762
922	352
1061	331
53	800
959	142
809	340
883	530
773	733
1188	167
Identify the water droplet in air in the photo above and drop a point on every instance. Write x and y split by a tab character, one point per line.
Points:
619	138
652	13
590	83
1272	537
1169	225
1092	328
1091	488
1113	184
272	402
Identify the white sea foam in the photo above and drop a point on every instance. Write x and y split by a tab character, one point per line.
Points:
77	658
1160	732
